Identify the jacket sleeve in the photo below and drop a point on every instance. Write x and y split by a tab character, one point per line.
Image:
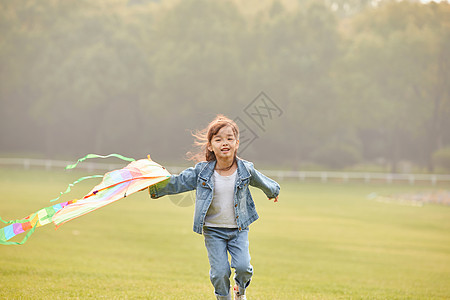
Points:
269	186
183	182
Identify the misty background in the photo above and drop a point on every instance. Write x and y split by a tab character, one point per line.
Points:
355	84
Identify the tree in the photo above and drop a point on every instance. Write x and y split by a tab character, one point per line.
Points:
396	62
297	51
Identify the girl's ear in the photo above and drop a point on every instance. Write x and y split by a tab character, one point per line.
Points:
237	144
208	146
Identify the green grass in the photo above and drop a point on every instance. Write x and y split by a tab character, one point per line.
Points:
321	241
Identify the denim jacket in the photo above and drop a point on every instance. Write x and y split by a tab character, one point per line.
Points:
199	178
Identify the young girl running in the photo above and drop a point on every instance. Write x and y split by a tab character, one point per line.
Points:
224	207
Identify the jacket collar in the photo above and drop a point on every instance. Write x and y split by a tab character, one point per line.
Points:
242	170
208	170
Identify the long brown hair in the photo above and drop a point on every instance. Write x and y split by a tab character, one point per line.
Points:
203	138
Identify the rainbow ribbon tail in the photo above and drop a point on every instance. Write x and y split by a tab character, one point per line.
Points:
136	176
37	219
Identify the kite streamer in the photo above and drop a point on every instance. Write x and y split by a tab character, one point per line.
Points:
117	184
73	183
98	156
39	218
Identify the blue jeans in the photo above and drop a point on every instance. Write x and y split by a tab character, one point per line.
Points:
219	242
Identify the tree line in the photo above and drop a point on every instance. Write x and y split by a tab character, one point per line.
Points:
364	84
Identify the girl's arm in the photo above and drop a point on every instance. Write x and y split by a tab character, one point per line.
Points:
183	182
269	186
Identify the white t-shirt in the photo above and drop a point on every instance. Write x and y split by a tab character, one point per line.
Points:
221	210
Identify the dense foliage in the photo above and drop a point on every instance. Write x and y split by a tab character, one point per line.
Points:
134	77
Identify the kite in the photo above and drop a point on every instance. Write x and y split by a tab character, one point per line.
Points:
117	184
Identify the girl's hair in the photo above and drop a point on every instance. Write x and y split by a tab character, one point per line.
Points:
203	138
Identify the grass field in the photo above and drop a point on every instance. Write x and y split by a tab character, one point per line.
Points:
321	241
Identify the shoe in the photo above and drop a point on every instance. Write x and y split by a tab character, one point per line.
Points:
237	296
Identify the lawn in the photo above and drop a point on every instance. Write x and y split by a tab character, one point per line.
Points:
321	241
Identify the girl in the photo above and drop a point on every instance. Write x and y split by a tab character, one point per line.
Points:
224	207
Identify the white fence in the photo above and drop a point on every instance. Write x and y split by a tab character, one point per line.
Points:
389	178
48	164
323	176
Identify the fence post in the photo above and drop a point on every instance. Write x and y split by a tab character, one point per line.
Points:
280	175
389	178
48	165
26	164
302	176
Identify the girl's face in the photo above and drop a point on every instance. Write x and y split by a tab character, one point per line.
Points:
224	144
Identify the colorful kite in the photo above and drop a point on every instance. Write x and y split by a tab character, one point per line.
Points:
117	184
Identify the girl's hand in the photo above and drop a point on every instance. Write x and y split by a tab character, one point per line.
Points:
274	199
